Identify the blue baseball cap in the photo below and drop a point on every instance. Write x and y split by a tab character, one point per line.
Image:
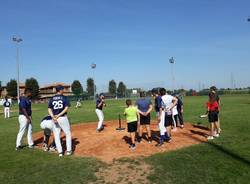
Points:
59	88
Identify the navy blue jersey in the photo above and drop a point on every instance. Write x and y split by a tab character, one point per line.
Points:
58	103
47	118
179	104
6	104
158	103
98	102
25	103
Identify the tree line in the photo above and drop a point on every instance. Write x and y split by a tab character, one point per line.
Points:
76	87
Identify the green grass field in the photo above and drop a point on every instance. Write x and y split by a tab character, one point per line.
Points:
224	160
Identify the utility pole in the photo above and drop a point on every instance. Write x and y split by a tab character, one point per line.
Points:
17	40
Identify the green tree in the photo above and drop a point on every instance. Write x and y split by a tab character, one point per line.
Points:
90	86
76	87
12	88
112	87
1	89
33	85
121	90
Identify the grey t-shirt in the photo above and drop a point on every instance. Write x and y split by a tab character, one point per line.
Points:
143	104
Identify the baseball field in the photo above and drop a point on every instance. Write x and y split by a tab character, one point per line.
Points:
224	160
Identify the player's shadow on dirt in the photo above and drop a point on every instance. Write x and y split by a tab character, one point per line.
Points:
155	137
38	141
201	127
199	133
75	142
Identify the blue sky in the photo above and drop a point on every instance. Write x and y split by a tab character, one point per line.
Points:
129	40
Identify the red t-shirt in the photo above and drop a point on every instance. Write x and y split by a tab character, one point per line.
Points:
213	106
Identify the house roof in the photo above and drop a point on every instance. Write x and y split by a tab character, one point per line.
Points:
54	85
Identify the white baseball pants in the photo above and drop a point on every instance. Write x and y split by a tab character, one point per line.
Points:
47	124
23	125
6	112
100	116
63	124
162	127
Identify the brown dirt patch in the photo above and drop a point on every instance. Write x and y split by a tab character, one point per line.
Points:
111	145
124	172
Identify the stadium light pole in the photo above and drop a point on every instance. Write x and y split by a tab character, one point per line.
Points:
172	62
93	67
17	40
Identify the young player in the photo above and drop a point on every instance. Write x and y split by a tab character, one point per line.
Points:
145	107
25	122
78	103
132	114
213	111
100	103
180	110
48	125
58	108
6	106
213	89
175	118
168	103
158	101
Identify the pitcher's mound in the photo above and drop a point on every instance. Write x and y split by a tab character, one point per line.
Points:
111	144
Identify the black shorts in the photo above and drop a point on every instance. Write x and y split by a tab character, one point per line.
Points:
145	120
213	116
132	127
168	120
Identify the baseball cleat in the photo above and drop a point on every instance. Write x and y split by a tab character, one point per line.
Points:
182	126
31	147
60	155
69	153
45	148
18	148
161	143
52	149
217	135
132	146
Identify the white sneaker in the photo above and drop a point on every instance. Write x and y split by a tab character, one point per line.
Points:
217	135
210	138
60	155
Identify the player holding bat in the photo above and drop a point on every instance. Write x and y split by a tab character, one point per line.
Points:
100	103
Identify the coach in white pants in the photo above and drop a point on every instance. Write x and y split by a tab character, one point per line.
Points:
6	106
24	119
58	108
99	107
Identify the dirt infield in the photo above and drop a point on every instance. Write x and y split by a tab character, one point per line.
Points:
111	144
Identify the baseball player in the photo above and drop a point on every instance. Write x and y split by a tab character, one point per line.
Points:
6	106
180	110
100	103
78	103
165	117
25	120
57	108
175	118
48	125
